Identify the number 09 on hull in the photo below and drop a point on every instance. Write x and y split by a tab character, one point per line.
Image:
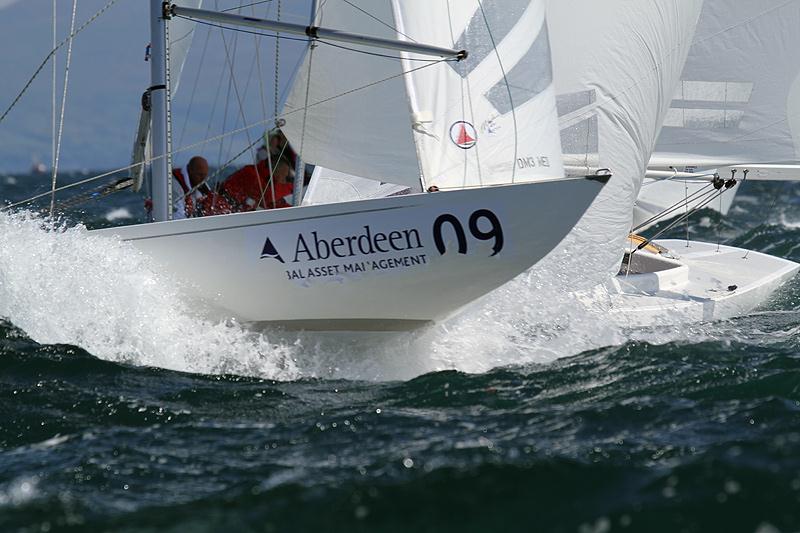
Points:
390	263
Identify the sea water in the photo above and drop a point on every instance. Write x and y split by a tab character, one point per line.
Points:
125	409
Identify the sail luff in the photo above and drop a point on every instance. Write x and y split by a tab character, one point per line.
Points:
409	86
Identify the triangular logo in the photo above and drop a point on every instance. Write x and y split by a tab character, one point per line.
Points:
270	251
463	136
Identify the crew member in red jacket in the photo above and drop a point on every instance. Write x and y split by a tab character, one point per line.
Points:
249	188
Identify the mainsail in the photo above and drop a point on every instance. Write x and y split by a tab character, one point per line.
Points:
616	66
489	119
738	100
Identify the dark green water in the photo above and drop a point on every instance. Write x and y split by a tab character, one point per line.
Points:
696	430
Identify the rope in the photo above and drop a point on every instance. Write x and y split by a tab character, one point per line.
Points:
250	142
168	109
277	64
51	54
194	87
55	89
63	109
259	123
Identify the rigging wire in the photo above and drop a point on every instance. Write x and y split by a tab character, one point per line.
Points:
55	90
168	109
276	85
63	109
51	54
246	5
194	87
373	17
250	142
259	123
674	207
704	203
241	30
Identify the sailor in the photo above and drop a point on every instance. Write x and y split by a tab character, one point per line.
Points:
251	188
281	186
191	190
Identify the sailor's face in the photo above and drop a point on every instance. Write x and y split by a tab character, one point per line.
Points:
198	174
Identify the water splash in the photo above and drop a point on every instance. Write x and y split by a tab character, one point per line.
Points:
64	285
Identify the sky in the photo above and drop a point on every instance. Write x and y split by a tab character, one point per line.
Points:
108	75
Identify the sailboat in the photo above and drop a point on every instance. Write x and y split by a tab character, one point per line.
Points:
470	115
736	107
730	115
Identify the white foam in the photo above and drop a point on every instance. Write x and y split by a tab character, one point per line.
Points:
64	285
119	213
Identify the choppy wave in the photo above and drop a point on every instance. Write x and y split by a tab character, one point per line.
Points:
63	285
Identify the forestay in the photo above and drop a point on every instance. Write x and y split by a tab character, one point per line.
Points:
616	66
487	120
738	100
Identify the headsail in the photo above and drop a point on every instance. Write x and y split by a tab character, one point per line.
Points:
490	119
452	122
616	65
362	131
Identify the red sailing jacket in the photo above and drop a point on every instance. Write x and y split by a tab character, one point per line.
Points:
250	188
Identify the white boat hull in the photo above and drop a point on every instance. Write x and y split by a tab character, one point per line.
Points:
704	282
389	263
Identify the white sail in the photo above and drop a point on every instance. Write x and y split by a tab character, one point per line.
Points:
616	65
487	120
491	118
330	186
738	100
362	131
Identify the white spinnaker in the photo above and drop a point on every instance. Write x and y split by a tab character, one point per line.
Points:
738	100
616	64
357	130
491	118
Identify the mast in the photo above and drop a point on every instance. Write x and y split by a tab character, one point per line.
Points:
300	166
162	201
